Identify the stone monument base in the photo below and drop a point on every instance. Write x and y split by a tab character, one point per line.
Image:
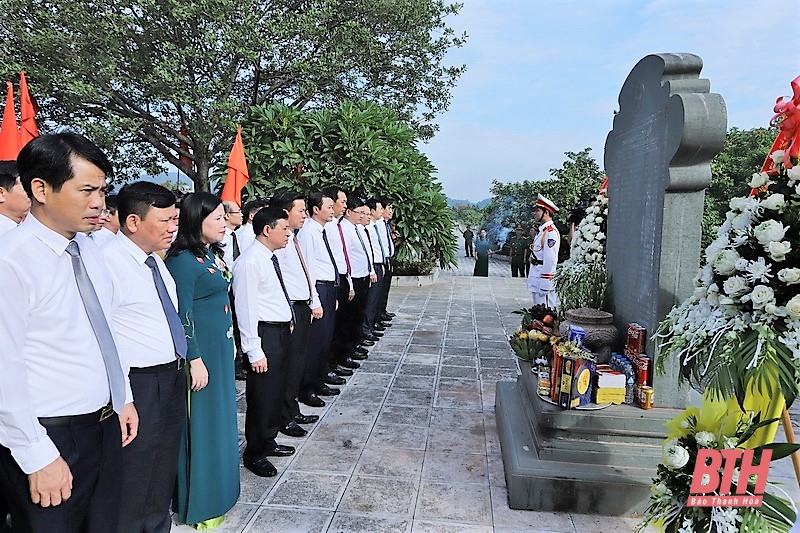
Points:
591	462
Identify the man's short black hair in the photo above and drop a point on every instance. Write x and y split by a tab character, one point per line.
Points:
372	203
49	158
287	199
251	207
137	199
8	174
314	200
332	192
111	203
354	202
268	216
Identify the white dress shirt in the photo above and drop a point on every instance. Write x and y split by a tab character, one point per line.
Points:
378	246
388	243
246	236
360	262
142	331
332	231
227	247
102	236
293	275
6	224
258	296
316	255
50	358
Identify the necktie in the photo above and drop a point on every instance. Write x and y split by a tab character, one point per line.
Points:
302	264
174	321
333	261
280	279
380	243
389	237
369	240
236	251
102	332
361	240
344	249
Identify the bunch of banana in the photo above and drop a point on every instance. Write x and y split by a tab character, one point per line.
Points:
519	342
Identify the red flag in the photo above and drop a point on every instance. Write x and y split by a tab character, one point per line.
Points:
185	159
9	132
237	176
27	122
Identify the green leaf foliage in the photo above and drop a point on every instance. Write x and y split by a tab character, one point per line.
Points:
367	150
134	74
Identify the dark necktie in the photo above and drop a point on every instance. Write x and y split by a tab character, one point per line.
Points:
175	326
380	243
344	249
333	261
236	251
361	240
280	279
102	332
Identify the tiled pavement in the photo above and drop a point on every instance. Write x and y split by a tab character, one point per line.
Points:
411	444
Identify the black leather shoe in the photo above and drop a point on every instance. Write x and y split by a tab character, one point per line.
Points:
281	451
361	349
349	363
261	467
377	329
306	419
344	372
311	400
333	379
356	356
388	315
384	325
327	391
378	333
293	430
369	341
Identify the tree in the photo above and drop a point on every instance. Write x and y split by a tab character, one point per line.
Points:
731	169
166	81
468	215
368	151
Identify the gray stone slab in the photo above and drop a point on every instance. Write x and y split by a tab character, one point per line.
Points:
355	523
530	520
457	418
358	412
414	382
455	468
343	434
401	414
505	363
468	504
376	460
253	488
378	367
426	526
364	379
372	395
409	397
446	371
325	457
459	360
419	347
303	489
380	495
453	440
458	384
281	520
399	436
460	400
411	369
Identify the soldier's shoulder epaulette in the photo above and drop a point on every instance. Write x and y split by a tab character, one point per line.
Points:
550	228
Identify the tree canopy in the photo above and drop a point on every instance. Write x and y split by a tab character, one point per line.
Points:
165	81
366	150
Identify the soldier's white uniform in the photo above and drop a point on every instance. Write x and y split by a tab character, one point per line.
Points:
544	259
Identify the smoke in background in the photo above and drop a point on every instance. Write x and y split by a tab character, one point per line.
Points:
495	231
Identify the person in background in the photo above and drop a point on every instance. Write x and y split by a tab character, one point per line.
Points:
14	202
469	236
385	316
483	252
245	235
62	379
109	222
230	244
517	245
545	248
208	460
151	340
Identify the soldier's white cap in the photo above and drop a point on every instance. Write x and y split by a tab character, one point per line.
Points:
546	204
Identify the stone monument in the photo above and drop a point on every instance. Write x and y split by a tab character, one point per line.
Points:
658	156
667	130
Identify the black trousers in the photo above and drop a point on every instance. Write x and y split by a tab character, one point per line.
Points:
374	298
319	343
387	285
518	269
349	319
468	248
265	391
296	364
93	451
150	461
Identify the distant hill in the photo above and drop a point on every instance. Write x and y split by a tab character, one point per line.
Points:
452	202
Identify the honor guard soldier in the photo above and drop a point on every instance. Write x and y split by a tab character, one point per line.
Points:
544	257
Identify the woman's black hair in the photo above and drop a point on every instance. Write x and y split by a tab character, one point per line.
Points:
195	207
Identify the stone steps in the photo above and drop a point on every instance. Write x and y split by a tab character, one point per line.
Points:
596	462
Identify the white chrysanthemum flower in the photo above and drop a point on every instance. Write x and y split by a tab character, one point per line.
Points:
675	455
739	240
759	179
759	270
777	156
774	202
725	263
742	221
768	231
793	174
705	439
789	276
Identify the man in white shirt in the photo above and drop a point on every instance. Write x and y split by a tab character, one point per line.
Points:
109	223
344	292
152	341
377	235
60	445
230	243
385	317
265	317
307	307
245	234
315	246
14	201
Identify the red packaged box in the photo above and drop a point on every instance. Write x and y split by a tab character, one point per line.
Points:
636	340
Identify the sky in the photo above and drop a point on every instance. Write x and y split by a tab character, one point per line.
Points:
543	77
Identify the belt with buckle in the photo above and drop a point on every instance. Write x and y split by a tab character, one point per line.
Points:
89	418
326	282
175	366
536	262
270	324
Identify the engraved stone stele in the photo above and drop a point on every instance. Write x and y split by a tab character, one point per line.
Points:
658	156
